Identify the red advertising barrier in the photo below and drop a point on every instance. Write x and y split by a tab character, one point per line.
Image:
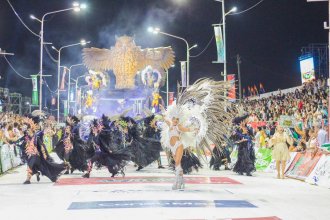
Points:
303	164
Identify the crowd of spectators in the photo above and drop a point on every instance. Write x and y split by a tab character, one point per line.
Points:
306	106
12	127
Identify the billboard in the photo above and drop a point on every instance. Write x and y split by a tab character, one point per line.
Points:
307	69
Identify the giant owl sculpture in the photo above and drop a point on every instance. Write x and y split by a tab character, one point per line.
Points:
126	60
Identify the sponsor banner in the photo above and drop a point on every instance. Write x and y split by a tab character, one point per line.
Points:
303	164
287	121
183	73
35	98
15	155
161	204
219	43
321	173
5	159
263	158
232	91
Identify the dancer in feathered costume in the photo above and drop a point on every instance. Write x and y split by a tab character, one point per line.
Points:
246	155
151	131
107	151
144	150
200	117
71	148
36	155
220	156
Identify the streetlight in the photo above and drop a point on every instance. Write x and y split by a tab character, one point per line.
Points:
76	7
224	14
83	43
157	31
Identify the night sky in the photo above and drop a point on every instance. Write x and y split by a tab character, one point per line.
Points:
268	38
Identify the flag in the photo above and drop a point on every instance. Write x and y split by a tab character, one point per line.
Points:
219	42
262	90
256	90
183	73
34	90
63	79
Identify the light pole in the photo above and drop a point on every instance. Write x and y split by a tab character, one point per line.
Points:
157	31
224	14
82	42
76	7
69	84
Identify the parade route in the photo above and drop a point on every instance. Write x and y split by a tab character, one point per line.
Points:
147	194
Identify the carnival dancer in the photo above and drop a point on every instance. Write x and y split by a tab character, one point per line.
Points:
107	152
280	151
189	161
246	155
200	115
150	130
71	148
220	156
144	150
36	155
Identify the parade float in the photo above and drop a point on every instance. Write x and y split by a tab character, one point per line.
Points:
123	77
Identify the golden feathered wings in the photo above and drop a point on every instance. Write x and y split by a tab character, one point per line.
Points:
161	59
97	59
132	59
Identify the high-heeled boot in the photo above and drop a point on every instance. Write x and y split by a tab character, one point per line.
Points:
181	184
176	180
177	183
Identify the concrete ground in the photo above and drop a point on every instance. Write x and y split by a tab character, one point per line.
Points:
147	194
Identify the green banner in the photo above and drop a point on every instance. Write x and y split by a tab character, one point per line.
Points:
35	97
65	102
263	158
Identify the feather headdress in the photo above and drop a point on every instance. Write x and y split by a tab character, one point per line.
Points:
204	105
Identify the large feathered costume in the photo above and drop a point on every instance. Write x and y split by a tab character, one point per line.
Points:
71	148
144	150
107	151
204	105
35	153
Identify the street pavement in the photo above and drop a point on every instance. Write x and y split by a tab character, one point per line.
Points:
147	194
